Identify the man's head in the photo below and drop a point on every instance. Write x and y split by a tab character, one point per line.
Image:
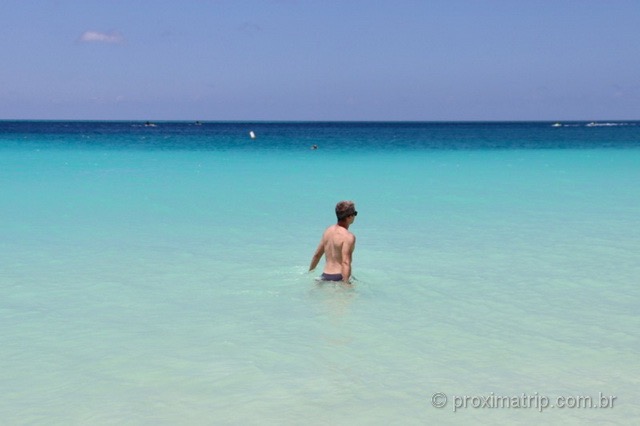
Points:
345	209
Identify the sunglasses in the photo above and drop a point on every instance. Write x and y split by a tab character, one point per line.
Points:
355	213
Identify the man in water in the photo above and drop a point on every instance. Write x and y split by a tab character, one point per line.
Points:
337	244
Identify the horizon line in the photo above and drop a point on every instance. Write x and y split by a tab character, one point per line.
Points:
601	120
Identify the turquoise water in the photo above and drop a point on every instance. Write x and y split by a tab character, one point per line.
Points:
158	275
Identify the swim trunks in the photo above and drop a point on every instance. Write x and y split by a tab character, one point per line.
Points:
331	277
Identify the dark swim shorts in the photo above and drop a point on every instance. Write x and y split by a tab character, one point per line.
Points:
331	277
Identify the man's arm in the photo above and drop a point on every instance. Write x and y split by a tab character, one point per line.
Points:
347	253
317	255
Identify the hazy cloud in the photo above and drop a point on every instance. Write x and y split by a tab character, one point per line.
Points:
250	28
99	37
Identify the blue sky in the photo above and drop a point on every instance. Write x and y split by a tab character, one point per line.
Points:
320	60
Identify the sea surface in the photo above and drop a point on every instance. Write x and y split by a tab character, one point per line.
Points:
157	274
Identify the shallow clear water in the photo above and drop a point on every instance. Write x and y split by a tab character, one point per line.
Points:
158	275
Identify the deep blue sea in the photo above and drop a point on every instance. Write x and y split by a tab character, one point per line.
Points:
157	274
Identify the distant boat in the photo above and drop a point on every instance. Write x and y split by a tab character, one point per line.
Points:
556	125
592	124
252	135
149	124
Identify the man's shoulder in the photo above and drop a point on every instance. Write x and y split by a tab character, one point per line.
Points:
329	229
338	231
346	234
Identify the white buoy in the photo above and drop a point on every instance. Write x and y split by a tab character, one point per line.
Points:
253	135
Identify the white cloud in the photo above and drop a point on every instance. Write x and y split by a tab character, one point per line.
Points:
98	37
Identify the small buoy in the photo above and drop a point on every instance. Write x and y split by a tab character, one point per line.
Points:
253	135
314	146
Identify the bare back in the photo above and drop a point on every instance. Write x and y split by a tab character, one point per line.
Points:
338	244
